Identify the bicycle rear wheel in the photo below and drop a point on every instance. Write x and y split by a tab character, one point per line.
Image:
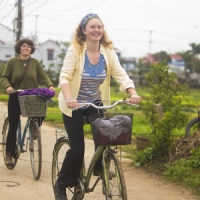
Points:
193	126
35	147
116	187
59	153
4	139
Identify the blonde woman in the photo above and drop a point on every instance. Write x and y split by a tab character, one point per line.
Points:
85	77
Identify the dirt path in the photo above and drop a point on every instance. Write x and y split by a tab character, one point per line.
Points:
19	184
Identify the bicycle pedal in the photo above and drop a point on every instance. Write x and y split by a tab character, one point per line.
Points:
79	191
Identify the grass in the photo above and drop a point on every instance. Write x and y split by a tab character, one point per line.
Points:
140	124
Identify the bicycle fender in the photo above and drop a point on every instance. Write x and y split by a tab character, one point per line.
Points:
4	125
58	140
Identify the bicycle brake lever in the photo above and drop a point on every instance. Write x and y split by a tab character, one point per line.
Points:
126	101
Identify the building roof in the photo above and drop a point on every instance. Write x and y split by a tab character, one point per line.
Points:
176	56
9	29
49	41
2	42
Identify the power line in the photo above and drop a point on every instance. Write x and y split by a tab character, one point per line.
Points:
125	10
4	4
7	14
1	2
155	31
33	2
75	7
37	8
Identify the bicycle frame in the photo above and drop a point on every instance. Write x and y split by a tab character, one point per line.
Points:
21	136
101	150
86	177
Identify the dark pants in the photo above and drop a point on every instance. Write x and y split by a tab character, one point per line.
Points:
72	164
14	116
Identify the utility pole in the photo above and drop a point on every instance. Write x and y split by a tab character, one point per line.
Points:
150	42
19	21
36	36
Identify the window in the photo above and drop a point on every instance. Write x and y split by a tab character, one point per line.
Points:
8	56
50	54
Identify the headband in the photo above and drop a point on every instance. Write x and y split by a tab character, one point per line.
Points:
87	17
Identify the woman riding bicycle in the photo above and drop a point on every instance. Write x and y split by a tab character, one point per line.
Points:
85	77
21	72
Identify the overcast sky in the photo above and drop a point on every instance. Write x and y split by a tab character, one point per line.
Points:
170	25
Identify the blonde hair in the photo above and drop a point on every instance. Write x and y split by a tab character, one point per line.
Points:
79	37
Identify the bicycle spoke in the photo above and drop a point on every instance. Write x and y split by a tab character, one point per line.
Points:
60	149
116	183
35	147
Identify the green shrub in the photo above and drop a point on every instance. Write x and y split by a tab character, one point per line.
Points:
186	171
164	89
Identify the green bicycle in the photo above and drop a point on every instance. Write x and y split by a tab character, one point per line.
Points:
113	182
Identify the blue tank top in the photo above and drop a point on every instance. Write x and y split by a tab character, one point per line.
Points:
92	77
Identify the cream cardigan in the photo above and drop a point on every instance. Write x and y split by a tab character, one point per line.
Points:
72	69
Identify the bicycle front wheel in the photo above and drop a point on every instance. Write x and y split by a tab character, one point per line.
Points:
4	139
193	126
35	147
114	188
59	153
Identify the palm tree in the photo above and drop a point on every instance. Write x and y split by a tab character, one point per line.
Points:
195	49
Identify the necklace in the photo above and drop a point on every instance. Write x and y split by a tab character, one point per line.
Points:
23	64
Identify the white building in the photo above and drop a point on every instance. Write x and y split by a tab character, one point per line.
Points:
47	52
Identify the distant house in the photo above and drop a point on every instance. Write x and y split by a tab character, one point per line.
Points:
48	52
150	59
177	63
6	51
6	43
6	34
129	64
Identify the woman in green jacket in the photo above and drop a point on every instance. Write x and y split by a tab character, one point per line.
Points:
11	79
85	77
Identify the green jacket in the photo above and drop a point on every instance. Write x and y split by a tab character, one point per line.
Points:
13	73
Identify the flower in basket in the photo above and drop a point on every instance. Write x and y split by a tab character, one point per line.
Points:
42	92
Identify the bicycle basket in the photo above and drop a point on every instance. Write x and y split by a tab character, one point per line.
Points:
32	106
111	128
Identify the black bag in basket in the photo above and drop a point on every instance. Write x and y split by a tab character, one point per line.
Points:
111	130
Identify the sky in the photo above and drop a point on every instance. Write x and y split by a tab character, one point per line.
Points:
136	27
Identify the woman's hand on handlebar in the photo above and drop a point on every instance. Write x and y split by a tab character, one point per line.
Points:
9	89
72	103
135	99
52	88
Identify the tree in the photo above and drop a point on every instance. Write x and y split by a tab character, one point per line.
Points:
188	58
195	49
62	55
164	89
162	56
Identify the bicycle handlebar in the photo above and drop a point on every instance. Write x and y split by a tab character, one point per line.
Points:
124	101
15	91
